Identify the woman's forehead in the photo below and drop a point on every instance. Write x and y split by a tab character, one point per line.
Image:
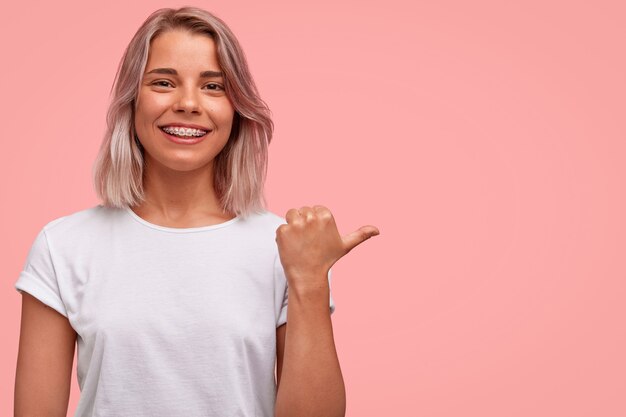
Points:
182	51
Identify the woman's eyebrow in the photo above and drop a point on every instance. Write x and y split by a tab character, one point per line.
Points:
172	71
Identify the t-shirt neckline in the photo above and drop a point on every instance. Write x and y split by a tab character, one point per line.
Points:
141	220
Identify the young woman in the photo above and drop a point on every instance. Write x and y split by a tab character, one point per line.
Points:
176	288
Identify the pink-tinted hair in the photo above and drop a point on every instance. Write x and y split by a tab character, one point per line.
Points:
239	169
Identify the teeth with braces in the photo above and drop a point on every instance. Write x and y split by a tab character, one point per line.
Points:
184	131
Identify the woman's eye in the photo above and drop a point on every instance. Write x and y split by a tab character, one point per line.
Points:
214	86
160	82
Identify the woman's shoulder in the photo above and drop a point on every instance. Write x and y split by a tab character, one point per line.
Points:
80	220
265	218
272	217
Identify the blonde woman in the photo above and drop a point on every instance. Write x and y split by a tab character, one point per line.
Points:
175	289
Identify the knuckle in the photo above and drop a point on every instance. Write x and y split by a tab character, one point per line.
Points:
325	214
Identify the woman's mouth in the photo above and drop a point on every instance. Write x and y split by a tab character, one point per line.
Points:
184	136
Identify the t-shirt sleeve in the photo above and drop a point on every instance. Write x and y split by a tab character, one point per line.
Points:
38	278
281	278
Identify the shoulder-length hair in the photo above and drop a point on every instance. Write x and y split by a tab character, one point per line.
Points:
240	169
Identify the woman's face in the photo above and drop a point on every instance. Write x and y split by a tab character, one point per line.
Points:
174	91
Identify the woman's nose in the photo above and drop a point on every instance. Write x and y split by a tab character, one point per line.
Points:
187	101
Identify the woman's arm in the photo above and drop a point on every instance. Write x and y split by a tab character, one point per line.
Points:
44	361
309	245
311	383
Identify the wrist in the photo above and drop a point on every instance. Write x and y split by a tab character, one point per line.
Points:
309	286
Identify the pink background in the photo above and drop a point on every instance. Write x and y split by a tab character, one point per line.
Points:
485	141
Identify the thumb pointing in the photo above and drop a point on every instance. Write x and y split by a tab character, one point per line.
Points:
359	236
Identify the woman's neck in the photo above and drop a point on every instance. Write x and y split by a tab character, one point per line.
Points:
180	198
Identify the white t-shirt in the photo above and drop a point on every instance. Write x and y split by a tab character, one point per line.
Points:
170	321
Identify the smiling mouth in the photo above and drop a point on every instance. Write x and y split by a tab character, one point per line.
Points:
185	140
193	136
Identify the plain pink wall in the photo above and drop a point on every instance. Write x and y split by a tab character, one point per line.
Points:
485	141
